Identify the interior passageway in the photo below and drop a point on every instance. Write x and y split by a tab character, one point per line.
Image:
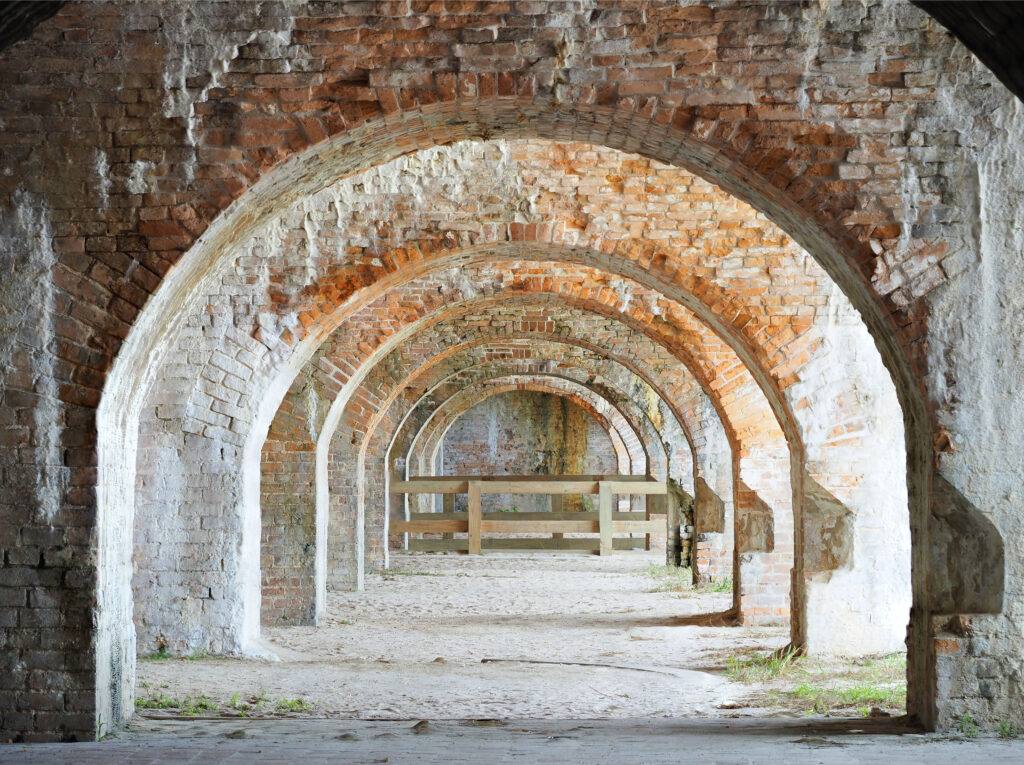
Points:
450	636
513	635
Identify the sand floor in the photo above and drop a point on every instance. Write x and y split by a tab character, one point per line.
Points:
459	637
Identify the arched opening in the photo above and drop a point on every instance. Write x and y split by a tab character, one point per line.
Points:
756	390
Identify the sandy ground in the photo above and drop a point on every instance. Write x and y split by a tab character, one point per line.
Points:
419	641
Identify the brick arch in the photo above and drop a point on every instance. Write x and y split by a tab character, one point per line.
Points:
439	362
437	353
519	107
649	452
824	474
778	491
380	284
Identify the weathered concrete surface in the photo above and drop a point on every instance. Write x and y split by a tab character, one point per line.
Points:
535	741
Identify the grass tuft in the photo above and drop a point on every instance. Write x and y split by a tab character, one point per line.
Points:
298	704
720	585
160	701
1008	730
670	578
967	727
759	669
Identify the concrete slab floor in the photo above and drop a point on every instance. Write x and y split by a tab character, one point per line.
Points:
528	741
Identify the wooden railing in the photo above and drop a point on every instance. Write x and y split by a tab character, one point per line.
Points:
476	524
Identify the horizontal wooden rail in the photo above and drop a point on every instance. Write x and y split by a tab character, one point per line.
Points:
531	484
526	527
591	544
565	515
474	523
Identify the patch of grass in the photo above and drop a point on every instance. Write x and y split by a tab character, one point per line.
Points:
194	706
860	696
509	510
259	699
670	578
759	669
160	654
967	727
157	702
1008	730
297	704
346	622
407	572
197	655
236	703
721	585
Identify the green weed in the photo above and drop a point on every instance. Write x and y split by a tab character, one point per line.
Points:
761	668
967	727
157	702
298	704
160	654
719	585
1008	730
194	706
861	696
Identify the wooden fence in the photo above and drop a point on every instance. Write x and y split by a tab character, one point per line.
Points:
484	530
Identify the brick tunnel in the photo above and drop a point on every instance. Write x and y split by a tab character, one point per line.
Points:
265	267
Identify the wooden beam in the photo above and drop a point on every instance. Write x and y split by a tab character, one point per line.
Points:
448	504
529	484
637	487
591	544
474	520
540	527
556	507
604	510
567	515
430	527
439	485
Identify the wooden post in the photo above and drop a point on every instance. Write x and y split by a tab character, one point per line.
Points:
556	507
604	517
475	518
647	516
448	505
